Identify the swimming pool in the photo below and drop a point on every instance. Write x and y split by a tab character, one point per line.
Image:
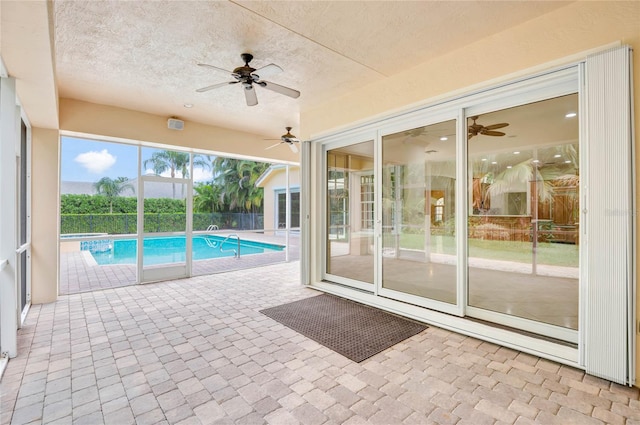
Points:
171	249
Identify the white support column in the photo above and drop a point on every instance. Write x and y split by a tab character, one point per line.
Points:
305	189
287	203
8	243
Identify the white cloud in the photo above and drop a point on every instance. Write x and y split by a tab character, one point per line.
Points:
96	162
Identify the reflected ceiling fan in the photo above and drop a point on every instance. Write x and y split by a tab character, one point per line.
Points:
488	130
287	138
248	77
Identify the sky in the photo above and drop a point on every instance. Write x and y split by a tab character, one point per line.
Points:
85	160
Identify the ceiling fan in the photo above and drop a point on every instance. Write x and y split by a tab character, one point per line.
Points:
287	138
476	129
248	77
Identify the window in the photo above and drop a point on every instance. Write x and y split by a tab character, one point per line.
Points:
281	215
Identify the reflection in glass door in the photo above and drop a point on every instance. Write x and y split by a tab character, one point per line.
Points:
418	214
523	229
350	214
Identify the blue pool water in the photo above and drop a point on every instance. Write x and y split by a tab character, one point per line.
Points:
171	249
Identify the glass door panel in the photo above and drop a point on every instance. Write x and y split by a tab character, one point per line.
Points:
165	223
350	214
523	229
418	212
166	244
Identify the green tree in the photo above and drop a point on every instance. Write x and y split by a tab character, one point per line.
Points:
208	198
111	189
237	178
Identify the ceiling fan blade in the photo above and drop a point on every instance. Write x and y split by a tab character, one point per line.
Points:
250	96
492	133
293	147
215	86
273	146
267	71
496	126
280	89
205	65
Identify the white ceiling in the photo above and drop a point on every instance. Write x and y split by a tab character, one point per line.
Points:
142	55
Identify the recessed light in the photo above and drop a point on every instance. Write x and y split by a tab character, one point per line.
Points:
443	138
516	153
535	161
557	155
570	115
509	166
494	162
568	161
188	105
484	159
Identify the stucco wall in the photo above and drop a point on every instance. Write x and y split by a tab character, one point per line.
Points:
44	215
545	42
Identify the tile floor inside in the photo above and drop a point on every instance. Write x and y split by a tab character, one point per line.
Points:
197	351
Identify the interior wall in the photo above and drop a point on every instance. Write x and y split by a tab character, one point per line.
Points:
111	121
535	45
44	215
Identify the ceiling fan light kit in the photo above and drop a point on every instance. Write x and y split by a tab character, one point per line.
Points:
249	77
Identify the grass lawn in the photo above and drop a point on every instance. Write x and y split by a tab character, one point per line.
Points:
554	254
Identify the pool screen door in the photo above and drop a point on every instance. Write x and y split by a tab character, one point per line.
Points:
165	239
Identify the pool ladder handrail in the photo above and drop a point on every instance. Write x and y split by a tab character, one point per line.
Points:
236	253
211	228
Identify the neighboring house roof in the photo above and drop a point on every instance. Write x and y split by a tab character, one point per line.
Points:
271	171
77	188
152	189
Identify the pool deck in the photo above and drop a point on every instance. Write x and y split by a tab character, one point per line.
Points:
79	274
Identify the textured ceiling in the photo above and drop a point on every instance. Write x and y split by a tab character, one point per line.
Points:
142	55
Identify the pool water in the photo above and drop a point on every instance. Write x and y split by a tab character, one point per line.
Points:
171	249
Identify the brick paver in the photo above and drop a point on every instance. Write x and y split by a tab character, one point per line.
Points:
197	351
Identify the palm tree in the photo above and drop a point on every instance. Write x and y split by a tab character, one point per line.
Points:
237	179
111	189
172	161
208	198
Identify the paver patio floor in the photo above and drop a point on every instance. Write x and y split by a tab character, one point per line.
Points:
197	351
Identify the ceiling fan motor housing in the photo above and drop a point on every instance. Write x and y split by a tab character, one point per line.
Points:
246	77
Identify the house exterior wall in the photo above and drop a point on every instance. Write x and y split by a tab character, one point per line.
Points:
277	180
562	36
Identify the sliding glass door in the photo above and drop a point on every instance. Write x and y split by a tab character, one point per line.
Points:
419	255
350	242
523	217
474	215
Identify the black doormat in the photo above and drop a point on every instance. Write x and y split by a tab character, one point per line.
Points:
354	330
